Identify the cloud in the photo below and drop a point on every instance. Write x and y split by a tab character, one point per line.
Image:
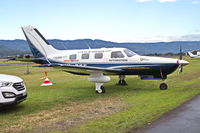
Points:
194	37
161	1
167	0
195	2
159	38
197	30
144	0
164	1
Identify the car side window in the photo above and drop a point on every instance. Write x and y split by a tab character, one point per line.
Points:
117	54
85	56
72	57
98	55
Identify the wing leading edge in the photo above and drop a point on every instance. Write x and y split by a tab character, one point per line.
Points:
82	70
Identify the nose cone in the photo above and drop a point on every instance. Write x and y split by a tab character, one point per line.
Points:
183	62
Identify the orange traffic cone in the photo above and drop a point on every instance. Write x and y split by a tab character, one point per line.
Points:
46	82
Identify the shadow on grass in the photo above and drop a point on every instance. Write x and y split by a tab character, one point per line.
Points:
11	109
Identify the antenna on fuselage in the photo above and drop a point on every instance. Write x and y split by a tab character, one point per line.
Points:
88	45
64	46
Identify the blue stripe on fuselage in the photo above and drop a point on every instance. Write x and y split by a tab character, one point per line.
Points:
153	69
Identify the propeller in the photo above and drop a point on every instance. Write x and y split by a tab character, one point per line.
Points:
180	67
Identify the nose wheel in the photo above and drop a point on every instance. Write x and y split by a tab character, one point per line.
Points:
163	86
100	89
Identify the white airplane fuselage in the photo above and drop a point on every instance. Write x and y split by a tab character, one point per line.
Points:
134	65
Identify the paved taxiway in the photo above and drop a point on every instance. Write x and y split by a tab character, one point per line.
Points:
184	119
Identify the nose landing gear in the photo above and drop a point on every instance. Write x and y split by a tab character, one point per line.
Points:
163	86
100	88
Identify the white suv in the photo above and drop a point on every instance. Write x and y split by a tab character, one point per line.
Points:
12	90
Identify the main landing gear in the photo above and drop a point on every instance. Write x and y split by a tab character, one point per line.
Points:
122	80
99	88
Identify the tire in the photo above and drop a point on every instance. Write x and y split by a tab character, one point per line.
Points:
101	91
163	86
122	82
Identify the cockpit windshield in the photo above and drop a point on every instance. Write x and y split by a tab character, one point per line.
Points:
129	53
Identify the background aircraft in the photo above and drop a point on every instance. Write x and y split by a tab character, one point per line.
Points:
194	54
98	63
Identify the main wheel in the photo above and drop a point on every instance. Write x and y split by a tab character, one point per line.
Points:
122	82
163	86
101	90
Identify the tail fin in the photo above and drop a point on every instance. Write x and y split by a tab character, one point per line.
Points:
190	54
39	46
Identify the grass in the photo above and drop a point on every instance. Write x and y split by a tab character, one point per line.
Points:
72	106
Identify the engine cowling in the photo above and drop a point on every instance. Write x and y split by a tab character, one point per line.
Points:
98	78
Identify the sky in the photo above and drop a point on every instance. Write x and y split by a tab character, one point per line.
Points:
110	20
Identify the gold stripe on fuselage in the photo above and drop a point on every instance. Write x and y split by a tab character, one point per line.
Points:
138	67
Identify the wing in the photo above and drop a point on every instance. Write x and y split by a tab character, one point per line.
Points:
82	70
35	60
86	70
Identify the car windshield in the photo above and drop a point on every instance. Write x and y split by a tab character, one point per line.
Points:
129	53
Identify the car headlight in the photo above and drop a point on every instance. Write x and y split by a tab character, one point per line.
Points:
5	84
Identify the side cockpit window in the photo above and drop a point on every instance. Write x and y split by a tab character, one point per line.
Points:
72	57
98	55
129	53
117	54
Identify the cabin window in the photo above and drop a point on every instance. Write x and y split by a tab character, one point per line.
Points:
85	56
129	53
98	55
72	57
65	57
117	54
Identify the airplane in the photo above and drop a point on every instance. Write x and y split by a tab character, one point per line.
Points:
194	54
99	63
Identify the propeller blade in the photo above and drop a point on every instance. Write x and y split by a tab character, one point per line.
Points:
181	53
180	67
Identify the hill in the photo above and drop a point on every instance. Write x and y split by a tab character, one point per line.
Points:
13	47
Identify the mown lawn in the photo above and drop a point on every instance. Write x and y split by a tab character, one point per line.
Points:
72	106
